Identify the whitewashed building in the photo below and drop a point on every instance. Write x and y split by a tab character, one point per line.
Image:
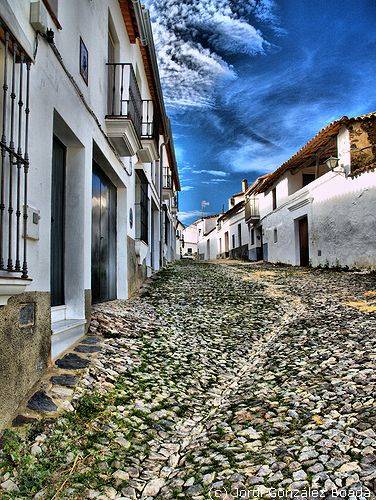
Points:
207	246
318	208
85	214
232	230
252	219
171	187
179	238
190	240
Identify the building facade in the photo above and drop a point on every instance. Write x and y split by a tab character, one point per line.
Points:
190	241
85	141
232	231
224	235
179	239
318	208
206	242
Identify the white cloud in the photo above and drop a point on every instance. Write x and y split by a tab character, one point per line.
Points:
187	188
215	181
183	216
194	36
219	173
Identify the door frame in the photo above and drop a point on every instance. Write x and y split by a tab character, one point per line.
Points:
303	261
97	170
55	139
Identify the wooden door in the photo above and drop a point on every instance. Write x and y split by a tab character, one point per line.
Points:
57	245
227	244
103	259
304	242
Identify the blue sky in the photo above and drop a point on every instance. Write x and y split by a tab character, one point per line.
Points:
248	82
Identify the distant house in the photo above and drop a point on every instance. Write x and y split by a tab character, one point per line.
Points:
206	234
189	243
318	208
179	238
232	231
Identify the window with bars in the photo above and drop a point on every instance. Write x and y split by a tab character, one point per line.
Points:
143	203
240	234
252	236
166	227
14	158
274	198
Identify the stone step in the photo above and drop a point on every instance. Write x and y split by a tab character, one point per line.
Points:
64	334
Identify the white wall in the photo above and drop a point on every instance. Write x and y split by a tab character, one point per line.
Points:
190	235
208	246
53	95
340	212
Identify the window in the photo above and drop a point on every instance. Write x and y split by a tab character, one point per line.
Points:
252	236
233	241
308	178
166	226
240	234
12	231
190	250
275	235
220	245
143	202
274	195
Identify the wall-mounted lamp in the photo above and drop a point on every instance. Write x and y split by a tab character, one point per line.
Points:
332	162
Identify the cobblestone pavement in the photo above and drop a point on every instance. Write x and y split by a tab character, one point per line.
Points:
221	381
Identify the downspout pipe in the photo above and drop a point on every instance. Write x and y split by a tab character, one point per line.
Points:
161	220
138	10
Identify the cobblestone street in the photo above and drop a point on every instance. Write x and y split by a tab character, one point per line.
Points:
220	378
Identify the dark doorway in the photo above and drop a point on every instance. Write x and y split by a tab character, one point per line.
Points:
103	256
307	179
303	241
57	223
227	245
260	250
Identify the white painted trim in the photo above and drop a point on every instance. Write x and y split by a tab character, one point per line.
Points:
300	204
58	313
65	334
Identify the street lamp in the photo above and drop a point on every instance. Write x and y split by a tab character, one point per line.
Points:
332	163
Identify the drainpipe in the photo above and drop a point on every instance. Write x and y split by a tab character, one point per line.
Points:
161	220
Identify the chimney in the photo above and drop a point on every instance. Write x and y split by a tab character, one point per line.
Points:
244	185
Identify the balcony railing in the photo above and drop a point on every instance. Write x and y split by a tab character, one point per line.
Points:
14	159
150	121
174	204
252	211
124	99
167	181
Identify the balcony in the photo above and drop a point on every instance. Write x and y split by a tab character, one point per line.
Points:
174	204
167	182
252	211
124	113
149	132
167	185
